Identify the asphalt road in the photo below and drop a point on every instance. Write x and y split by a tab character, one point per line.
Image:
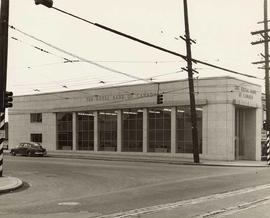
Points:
57	187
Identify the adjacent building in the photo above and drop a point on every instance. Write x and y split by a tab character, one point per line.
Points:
127	119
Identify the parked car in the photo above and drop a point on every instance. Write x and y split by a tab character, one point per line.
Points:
29	149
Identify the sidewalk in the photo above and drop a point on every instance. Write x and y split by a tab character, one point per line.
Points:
8	184
154	158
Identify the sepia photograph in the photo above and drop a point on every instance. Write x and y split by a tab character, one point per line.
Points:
134	109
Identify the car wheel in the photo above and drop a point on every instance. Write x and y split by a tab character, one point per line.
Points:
29	154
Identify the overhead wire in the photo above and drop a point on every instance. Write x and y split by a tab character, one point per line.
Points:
104	66
138	61
65	51
84	60
84	79
149	44
80	58
40	65
72	83
47	64
130	37
66	60
154	46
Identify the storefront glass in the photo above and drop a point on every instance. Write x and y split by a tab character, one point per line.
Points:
85	130
64	131
159	129
107	126
132	130
184	130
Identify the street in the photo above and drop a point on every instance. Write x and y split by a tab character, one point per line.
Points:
58	187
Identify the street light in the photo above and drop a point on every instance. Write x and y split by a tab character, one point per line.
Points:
47	3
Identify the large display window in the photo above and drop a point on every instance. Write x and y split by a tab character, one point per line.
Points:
64	131
107	127
132	130
159	129
184	142
85	131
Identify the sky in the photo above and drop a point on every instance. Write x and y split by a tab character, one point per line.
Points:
221	29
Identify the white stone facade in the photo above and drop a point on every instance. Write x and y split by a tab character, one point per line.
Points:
231	114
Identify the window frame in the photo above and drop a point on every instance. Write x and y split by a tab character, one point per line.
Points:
35	117
37	135
132	131
157	117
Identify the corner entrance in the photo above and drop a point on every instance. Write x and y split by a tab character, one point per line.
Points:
240	133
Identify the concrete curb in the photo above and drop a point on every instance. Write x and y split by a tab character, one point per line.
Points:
155	159
8	184
129	159
158	160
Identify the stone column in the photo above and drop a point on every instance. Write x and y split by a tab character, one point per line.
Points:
173	129
74	131
119	130
96	134
49	131
252	145
145	130
219	132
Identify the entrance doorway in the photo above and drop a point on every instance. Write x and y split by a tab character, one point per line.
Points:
240	133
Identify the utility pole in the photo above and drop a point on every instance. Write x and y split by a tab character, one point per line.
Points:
191	87
3	72
265	41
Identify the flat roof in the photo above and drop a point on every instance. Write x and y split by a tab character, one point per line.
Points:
138	84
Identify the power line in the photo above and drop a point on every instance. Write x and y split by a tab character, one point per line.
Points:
100	61
80	58
85	80
48	64
40	65
60	84
110	69
152	45
139	61
66	60
136	79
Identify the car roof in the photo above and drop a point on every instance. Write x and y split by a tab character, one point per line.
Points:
32	143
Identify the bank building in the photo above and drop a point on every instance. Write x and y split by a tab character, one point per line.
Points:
127	119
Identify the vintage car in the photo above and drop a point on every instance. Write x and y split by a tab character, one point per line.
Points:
29	149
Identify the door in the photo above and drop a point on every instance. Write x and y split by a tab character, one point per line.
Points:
240	133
